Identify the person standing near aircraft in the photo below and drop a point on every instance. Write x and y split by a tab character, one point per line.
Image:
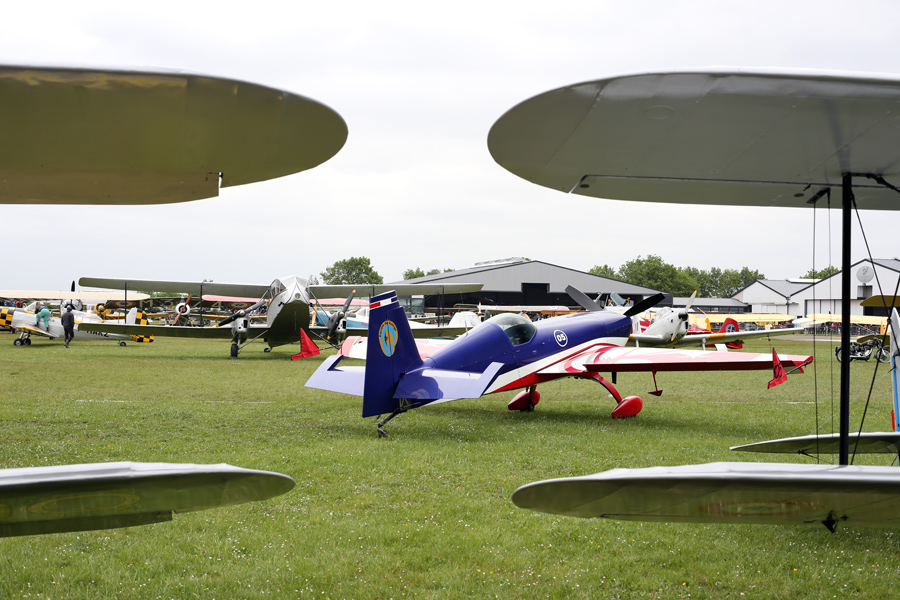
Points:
68	323
42	313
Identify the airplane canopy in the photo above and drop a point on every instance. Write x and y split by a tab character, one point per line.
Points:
100	136
735	137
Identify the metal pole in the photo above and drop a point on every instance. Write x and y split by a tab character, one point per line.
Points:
846	202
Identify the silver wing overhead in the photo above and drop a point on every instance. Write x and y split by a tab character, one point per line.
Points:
105	495
402	289
861	443
755	493
101	136
251	290
716	136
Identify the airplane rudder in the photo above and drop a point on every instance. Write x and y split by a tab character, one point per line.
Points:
391	352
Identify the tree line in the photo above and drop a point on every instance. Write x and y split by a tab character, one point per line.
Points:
652	272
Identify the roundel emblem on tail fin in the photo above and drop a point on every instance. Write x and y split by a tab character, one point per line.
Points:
387	338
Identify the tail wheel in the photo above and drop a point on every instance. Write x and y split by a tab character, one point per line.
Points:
121	343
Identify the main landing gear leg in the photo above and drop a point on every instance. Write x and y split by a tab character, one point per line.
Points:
525	400
625	407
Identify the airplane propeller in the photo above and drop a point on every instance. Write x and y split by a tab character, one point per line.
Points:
586	303
683	313
644	305
241	313
582	299
335	319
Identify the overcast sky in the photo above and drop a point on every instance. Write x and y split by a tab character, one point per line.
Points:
419	85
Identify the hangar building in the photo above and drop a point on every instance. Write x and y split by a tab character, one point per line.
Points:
518	281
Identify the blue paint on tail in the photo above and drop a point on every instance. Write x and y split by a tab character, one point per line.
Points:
391	353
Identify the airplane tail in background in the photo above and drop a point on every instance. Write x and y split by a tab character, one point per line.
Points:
729	326
138	317
391	352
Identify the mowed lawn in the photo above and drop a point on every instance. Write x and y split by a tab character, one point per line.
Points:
426	512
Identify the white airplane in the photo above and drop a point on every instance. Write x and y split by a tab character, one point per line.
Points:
137	153
286	300
24	320
720	136
669	327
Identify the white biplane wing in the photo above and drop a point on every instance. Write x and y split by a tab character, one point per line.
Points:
873	442
716	136
38	500
755	493
102	136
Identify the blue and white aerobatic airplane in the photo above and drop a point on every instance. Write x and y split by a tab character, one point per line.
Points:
509	352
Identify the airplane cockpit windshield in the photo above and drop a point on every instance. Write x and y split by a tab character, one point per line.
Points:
516	327
276	288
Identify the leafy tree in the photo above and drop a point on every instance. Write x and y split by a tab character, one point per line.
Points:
417	272
654	273
822	273
351	270
604	271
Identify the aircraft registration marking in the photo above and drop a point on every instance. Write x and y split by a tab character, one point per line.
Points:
387	337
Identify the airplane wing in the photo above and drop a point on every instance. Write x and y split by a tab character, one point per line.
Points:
84	296
719	338
886	442
165	330
402	289
617	359
36	331
761	493
356	346
55	499
196	288
239	133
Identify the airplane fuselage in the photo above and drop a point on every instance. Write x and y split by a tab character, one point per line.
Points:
525	348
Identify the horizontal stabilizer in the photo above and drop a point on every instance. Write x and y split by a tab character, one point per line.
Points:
437	384
333	378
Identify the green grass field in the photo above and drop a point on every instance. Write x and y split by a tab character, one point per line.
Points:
423	513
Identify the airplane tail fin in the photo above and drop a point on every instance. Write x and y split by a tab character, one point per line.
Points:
391	353
729	326
136	316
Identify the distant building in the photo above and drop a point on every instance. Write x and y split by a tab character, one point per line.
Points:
801	297
774	295
715	305
518	281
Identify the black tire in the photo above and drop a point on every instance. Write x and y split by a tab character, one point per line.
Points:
121	343
882	355
234	351
837	353
27	341
17	342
